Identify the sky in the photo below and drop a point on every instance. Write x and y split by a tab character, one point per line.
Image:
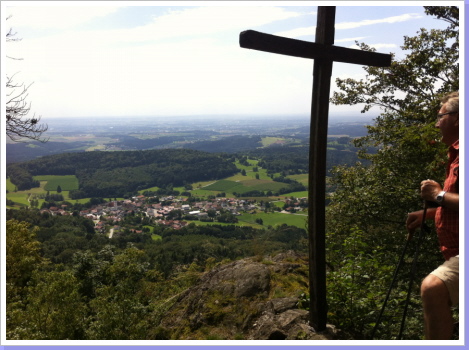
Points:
110	59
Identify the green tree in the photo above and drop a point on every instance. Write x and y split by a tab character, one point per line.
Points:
22	257
54	309
408	94
121	304
375	199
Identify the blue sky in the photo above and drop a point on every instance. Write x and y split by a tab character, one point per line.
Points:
167	58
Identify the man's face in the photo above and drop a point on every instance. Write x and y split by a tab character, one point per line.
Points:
449	126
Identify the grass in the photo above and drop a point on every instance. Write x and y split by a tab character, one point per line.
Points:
21	198
150	189
268	219
66	182
263	185
222	185
301	178
301	194
96	148
274	219
244	185
203	193
9	186
269	140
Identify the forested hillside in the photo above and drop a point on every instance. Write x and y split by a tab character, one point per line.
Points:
289	160
115	174
119	174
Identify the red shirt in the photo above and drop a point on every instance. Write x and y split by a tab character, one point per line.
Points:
446	220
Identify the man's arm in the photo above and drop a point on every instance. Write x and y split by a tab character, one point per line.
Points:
430	190
451	201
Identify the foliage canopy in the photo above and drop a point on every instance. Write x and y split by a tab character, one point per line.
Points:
371	202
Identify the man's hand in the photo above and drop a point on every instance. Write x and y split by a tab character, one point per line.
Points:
429	190
414	219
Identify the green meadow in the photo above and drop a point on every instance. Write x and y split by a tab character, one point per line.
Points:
66	182
240	187
274	219
268	219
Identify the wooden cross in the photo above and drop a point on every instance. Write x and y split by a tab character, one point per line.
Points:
324	54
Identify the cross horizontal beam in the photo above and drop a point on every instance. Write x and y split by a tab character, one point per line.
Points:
251	39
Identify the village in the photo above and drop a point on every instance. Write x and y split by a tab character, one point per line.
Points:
175	212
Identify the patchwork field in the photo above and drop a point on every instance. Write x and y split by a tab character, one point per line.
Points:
235	184
48	183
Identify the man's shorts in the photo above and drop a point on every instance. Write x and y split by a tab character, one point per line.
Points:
449	274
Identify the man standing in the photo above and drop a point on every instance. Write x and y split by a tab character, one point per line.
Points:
440	289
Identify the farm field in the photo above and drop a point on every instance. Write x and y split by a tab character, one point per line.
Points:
48	183
302	194
66	182
268	219
249	172
237	183
9	186
274	219
230	187
301	178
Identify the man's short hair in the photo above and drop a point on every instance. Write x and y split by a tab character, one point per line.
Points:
451	102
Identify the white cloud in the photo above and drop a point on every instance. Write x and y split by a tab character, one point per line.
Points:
186	61
367	22
94	74
295	33
344	40
377	46
201	21
311	31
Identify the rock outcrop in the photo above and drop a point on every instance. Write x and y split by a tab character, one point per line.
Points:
246	299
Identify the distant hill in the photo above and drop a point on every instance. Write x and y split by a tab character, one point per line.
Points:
24	151
230	144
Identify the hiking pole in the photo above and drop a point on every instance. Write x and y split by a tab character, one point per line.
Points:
399	264
423	228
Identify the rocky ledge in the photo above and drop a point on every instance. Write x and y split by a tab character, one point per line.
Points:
251	299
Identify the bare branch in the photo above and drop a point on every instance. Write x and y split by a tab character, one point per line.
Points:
18	124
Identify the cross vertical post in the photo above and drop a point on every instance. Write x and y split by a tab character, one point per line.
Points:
322	72
324	54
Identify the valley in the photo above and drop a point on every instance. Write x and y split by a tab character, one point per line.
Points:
265	164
